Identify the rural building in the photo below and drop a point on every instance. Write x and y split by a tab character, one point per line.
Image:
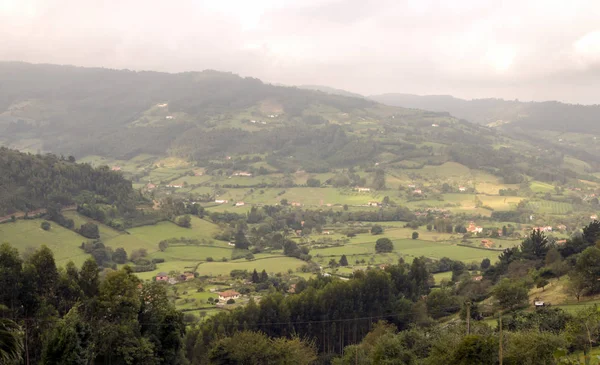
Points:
539	303
435	125
229	294
116	168
162	105
362	190
296	204
474	229
150	186
594	217
240	204
243	173
373	204
189	275
162	276
175	186
462	189
417	192
477	278
543	229
221	201
412	186
169	117
487	243
326	232
561	227
292	289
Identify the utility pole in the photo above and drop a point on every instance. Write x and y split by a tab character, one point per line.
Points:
500	341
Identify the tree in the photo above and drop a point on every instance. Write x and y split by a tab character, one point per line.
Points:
185	221
313	183
588	268
475	350
577	285
11	341
89	230
255	277
138	254
541	282
536	245
120	255
415	235
485	264
256	348
163	245
45	225
231	301
343	261
384	245
510	294
379	179
240	240
376	229
71	342
264	276
332	263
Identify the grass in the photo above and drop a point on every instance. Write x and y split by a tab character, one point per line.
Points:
106	233
442	276
550	207
148	237
64	243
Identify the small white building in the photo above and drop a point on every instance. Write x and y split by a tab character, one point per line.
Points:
169	117
363	190
240	204
221	201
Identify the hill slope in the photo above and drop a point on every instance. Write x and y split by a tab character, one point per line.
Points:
206	116
29	182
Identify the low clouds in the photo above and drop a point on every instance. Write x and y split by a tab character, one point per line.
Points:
531	50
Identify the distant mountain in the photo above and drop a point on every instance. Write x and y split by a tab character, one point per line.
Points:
205	116
550	115
331	90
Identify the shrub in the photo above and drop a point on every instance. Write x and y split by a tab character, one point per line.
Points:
376	229
415	235
210	259
231	301
45	225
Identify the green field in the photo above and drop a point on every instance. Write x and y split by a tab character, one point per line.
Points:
64	243
550	207
106	233
148	237
273	265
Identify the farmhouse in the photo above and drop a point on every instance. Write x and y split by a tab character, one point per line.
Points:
435	125
543	229
169	117
477	278
162	105
240	204
487	243
221	201
474	229
150	186
462	189
373	204
229	294
296	204
116	168
242	173
162	276
175	186
594	217
417	192
362	190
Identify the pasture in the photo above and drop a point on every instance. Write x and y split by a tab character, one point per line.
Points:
64	243
550	207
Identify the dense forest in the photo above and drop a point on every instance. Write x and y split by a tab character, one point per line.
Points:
31	182
382	315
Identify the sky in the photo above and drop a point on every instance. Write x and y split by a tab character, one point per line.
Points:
524	49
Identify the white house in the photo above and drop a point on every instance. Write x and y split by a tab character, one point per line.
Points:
162	105
221	201
362	190
169	117
462	189
240	204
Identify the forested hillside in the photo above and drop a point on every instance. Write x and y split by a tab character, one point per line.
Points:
29	182
204	117
550	115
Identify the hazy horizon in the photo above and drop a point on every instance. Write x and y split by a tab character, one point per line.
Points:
533	50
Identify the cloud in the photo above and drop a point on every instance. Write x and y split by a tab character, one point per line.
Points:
468	48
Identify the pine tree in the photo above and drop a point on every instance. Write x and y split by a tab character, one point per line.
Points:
255	278
343	261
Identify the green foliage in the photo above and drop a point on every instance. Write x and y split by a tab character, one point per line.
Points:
376	229
415	235
343	261
256	348
587	269
510	294
45	225
32	182
89	230
384	245
119	256
185	221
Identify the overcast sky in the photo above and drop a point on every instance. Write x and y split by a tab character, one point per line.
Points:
525	49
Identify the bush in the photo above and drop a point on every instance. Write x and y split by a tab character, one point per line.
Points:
231	301
89	230
45	225
376	229
137	254
415	235
210	259
383	245
158	260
